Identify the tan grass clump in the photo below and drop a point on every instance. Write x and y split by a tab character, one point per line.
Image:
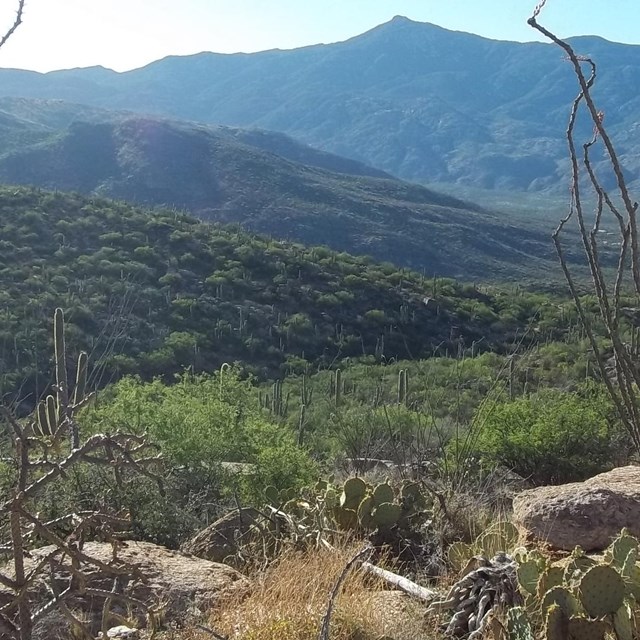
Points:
289	600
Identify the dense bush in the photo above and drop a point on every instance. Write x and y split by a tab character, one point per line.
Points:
199	422
552	436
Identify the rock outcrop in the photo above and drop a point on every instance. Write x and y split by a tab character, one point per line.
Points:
589	513
179	584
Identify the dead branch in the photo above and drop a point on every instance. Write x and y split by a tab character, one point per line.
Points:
16	23
623	386
41	461
399	582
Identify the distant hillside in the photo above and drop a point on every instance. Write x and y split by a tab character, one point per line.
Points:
418	101
153	292
267	183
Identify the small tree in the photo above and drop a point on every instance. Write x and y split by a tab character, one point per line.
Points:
43	448
552	436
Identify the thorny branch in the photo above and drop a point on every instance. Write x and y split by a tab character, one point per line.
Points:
623	384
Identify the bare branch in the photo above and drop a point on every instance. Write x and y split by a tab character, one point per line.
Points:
623	387
326	619
42	460
16	23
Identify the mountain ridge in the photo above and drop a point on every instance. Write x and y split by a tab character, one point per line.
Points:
415	100
231	175
155	292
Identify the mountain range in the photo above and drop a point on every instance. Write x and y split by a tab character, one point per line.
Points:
411	99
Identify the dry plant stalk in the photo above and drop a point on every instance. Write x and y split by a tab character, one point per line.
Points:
44	447
326	618
623	385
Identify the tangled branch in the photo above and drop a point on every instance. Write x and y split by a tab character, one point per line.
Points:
45	447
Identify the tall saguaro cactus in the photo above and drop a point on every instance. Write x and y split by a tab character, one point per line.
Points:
55	414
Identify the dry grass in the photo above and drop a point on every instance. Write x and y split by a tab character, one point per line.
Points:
288	601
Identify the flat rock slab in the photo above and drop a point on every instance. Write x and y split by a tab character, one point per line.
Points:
589	513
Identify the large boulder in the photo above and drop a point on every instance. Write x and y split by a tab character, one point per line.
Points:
589	513
181	584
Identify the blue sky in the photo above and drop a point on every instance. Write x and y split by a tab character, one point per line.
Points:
125	34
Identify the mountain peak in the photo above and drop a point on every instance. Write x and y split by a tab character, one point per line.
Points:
403	21
400	19
403	25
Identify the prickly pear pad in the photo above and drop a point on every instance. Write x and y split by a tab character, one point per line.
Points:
601	591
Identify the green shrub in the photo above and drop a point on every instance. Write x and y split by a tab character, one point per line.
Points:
201	421
390	432
552	436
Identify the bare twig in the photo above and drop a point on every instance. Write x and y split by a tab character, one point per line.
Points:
16	23
211	632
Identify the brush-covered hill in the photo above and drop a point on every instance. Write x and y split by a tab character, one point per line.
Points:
265	182
152	292
413	99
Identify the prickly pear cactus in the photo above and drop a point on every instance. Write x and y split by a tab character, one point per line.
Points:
619	549
353	491
580	599
577	566
631	573
353	506
528	574
556	624
365	518
386	515
584	629
623	622
273	496
346	519
500	537
561	597
518	624
383	493
601	591
549	578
